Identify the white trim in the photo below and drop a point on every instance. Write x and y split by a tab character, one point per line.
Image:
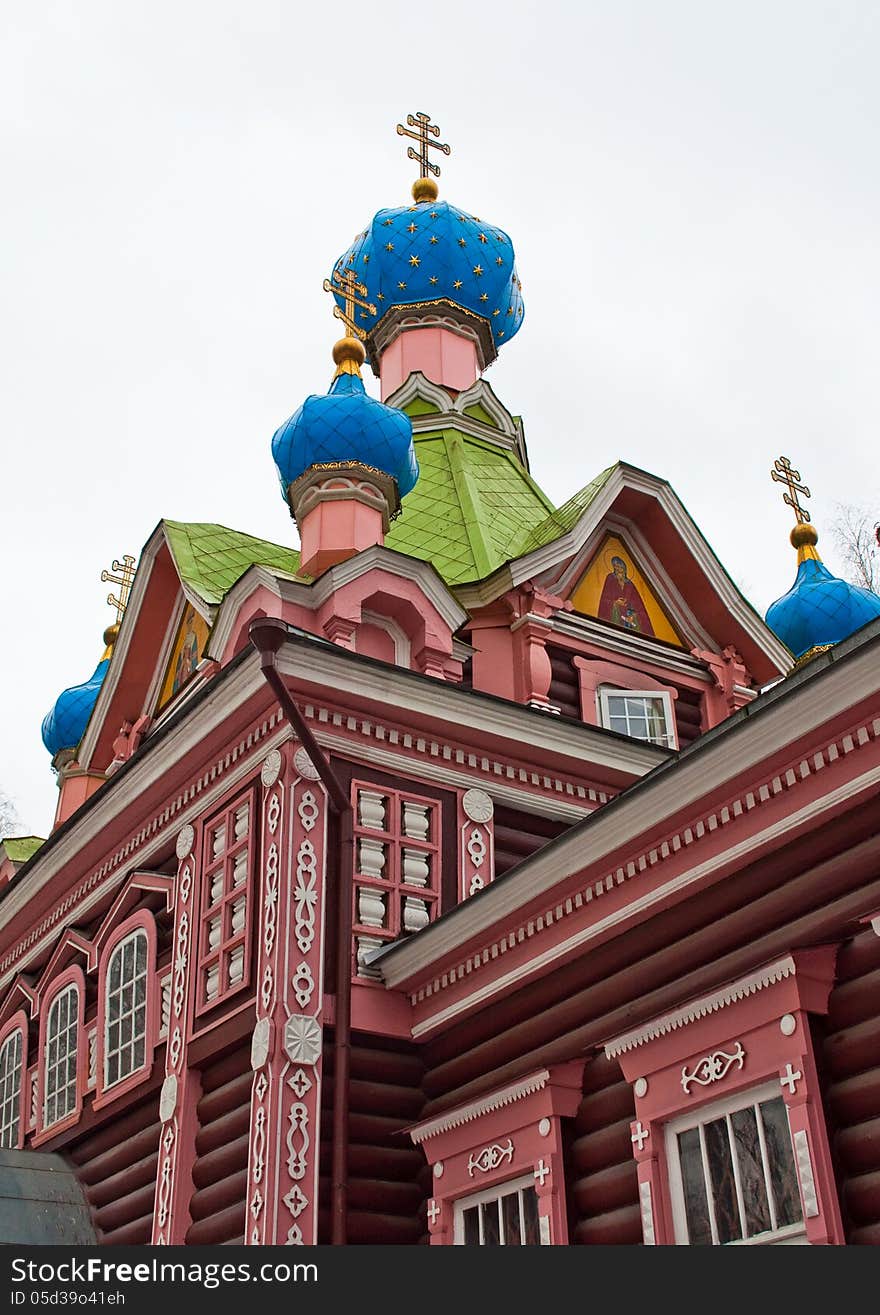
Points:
604	693
488	1194
630	645
167	647
147	977
707	1004
729	752
396	632
636	907
475	1109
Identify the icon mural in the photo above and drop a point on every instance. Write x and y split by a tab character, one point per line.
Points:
192	635
614	589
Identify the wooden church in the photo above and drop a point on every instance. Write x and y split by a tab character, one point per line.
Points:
482	872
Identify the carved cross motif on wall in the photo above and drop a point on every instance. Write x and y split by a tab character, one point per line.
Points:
541	1172
640	1136
790	1078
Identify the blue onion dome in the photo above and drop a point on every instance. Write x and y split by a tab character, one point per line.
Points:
432	253
819	609
346	425
65	724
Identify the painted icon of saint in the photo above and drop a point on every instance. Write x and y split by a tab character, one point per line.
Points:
621	602
188	657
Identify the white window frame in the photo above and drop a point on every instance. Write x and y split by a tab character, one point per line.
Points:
788	1234
494	1193
10	1091
144	980
70	1087
606	692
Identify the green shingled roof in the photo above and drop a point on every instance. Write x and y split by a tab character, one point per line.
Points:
20	848
561	521
472	506
211	558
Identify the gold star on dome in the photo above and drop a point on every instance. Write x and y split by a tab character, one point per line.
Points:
462	242
402	286
484	296
435	214
380	296
457	283
367	258
510	310
414	261
478	269
499	260
387	222
500	333
483	237
519	310
462	219
501	237
434	239
412	228
496	311
389	246
433	279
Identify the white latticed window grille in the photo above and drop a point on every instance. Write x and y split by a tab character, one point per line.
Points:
506	1215
62	1032
397	867
645	715
10	1090
224	942
125	1018
732	1174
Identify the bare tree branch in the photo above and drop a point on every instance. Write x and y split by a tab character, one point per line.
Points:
8	816
855	532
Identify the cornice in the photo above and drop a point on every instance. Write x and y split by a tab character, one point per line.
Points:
475	1109
755	981
628	644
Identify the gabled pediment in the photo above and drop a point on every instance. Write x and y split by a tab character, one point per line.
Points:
476	412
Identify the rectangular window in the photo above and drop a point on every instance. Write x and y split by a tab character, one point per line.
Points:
732	1174
506	1215
224	940
62	1034
125	1037
10	1090
397	867
643	714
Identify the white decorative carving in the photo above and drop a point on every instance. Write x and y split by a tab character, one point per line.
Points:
434	1211
303	984
371	857
299	1083
270	901
180	962
647	1214
476	847
164	1201
415	914
365	947
309	810
477	883
805	1173
260	1041
176	1046
640	1135
186	837
371	809
640	1087
304	765
787	1024
544	1223
305	896
298	1140
371	907
294	1237
416	819
273	813
296	1200
416	867
542	1171
93	1057
490	1157
262	1086
165	1009
256	1204
713	1068
168	1097
271	769
302	1039
544	1127
495	1100
258	1146
790	1078
477	805
438	1169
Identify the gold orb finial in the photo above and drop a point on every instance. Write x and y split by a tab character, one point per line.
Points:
348	352
804	535
424	189
111	634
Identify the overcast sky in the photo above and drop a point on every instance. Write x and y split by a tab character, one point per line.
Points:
692	193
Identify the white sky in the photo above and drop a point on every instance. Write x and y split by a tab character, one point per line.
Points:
691	189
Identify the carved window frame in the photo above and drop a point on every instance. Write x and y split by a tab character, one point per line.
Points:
231	938
139	924
605	692
525	1183
70	982
17	1025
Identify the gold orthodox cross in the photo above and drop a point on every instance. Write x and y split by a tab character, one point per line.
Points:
125	578
783	473
346	285
423	125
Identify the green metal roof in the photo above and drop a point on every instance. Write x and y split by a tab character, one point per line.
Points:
211	558
561	521
470	509
20	848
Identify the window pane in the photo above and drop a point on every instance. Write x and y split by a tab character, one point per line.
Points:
783	1176
490	1224
471	1227
721	1177
510	1215
696	1206
531	1227
751	1171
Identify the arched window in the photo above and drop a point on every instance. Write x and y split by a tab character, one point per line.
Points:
10	1090
60	1056
125	1008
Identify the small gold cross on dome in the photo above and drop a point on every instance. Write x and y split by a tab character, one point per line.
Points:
783	473
348	286
124	579
424	131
